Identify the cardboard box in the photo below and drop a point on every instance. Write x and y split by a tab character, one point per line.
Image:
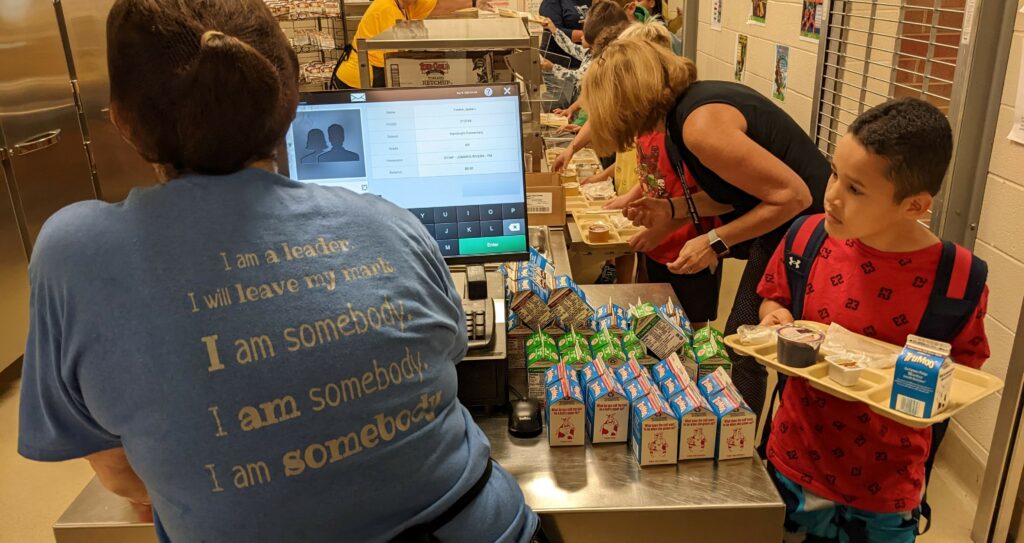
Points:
566	413
607	410
569	304
737	426
545	200
698	425
659	334
923	378
654	432
428	69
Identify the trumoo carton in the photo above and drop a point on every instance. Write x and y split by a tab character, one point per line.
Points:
654	432
659	334
698	425
923	378
607	410
737	425
566	415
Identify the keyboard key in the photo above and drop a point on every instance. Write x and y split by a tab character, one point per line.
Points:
490	212
492	228
469	230
512	211
469	213
449	247
430	228
445	214
446	231
425	215
515	227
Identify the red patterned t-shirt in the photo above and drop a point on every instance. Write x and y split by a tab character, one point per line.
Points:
842	450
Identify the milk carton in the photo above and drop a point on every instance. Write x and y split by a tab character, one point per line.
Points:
689	359
707	334
923	378
711	356
607	410
558	372
659	334
529	302
633	346
639	387
713	383
565	412
574	350
541	353
671	365
569	303
675	380
607	346
594	370
698	425
737	425
628	371
654	432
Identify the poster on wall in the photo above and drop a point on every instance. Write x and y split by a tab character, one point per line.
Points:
810	20
758	12
741	56
1017	132
781	79
716	14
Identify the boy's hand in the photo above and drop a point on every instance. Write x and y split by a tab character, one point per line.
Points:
778	317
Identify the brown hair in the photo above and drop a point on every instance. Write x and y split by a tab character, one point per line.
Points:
204	86
629	89
606	37
603	14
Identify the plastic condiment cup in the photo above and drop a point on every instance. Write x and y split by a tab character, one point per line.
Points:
844	369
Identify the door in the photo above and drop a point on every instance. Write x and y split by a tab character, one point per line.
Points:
38	115
13	278
118	167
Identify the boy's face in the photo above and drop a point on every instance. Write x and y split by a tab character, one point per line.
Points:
860	198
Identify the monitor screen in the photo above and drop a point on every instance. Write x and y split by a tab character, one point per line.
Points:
451	155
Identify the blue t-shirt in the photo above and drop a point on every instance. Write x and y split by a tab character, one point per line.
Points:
277	359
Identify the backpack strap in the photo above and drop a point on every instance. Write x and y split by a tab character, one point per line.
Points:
803	243
959	283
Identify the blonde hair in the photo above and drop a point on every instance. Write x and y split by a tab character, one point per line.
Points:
651	30
629	90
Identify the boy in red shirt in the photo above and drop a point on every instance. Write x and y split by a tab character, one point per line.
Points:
846	473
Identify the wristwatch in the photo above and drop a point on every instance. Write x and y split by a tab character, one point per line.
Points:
717	245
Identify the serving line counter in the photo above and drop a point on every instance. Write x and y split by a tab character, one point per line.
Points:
591	493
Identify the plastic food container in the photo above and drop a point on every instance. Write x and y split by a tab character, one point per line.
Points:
845	369
571	189
752	334
798	346
599	233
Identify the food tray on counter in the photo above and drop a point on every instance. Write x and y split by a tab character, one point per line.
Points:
875	385
617	235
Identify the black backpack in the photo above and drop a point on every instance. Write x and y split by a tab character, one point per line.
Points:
959	284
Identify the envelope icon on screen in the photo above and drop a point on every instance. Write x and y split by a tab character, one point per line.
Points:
358	96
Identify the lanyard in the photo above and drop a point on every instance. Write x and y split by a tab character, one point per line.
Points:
676	159
405	13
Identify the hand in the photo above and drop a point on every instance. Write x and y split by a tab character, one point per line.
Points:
546	64
559	111
549	25
778	317
597	178
630	8
562	160
647	240
577	36
649	212
618	202
695	256
568	129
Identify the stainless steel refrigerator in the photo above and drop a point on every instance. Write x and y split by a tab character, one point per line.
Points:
57	145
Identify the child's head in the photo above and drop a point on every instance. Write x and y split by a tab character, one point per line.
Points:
887	168
603	14
651	30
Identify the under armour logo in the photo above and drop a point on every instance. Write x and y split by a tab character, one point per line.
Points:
794	262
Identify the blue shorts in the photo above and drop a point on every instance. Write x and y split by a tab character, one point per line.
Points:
813	519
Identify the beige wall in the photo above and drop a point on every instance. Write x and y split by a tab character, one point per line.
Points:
716	51
1001	244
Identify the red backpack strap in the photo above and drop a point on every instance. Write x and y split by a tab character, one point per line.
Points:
959	284
803	243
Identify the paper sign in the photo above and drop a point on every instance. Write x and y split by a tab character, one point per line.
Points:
741	56
781	79
758	12
810	20
716	14
1017	132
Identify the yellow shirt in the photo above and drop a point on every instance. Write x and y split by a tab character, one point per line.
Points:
380	16
625	171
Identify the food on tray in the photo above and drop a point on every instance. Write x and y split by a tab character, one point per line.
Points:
845	369
798	346
752	334
598	233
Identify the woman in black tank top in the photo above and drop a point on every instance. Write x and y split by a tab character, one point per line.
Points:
757	168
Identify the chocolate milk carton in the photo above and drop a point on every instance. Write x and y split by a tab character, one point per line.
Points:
924	375
654	432
737	425
607	410
529	302
698	425
569	304
657	332
566	413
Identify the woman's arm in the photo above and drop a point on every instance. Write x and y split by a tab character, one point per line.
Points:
717	136
581	140
565	42
116	475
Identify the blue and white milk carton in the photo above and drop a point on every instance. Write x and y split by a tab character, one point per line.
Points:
654	431
593	370
629	371
923	378
566	415
698	425
675	380
607	410
737	425
714	382
666	367
640	387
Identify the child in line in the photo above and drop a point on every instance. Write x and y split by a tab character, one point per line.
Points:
846	473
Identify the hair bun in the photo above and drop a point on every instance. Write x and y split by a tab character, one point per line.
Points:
209	36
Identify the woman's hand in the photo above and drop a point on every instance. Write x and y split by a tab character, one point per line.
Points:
618	202
696	256
630	9
562	160
549	25
777	317
568	129
649	212
546	64
577	36
648	240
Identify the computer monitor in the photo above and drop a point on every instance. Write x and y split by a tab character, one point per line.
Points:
451	155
